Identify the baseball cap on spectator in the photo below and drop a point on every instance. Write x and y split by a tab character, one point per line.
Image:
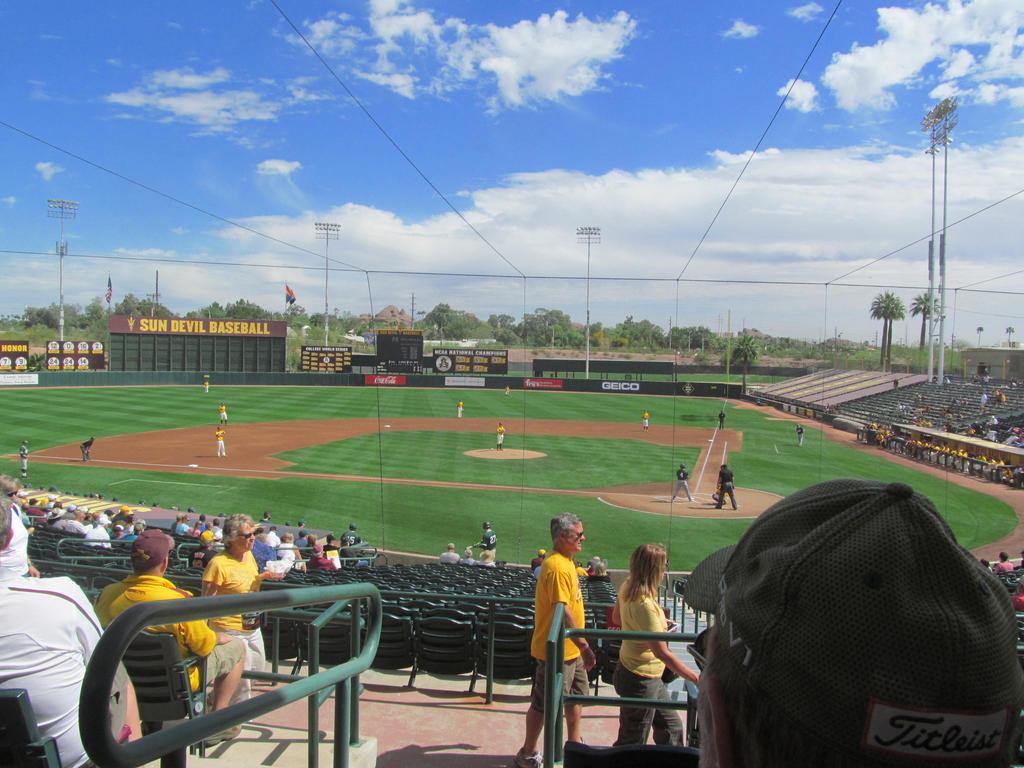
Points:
837	607
318	549
125	508
102	518
71	507
206	535
150	548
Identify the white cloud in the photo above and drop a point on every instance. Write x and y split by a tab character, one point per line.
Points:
741	29
528	62
187	79
179	230
803	97
183	95
275	167
972	43
806	12
10	200
48	170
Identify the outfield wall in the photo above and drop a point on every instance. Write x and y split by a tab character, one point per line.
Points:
237	378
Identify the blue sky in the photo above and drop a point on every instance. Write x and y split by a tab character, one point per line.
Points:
528	118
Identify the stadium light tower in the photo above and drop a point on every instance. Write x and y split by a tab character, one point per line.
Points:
326	232
590	236
939	123
61	209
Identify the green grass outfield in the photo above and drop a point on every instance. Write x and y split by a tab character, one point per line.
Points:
420	518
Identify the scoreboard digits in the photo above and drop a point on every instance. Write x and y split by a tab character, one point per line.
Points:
326	359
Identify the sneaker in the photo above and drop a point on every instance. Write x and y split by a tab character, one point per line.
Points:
523	760
225	735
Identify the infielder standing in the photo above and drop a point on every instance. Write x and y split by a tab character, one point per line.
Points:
645	419
86	447
221	449
799	434
460	409
223	409
23	453
501	435
681	477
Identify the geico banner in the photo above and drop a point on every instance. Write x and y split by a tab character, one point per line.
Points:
542	383
378	380
620	386
464	381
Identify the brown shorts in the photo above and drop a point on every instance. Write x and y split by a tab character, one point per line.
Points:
574	682
223	657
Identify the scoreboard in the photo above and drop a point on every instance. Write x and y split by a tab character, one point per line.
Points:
471	361
326	359
399	350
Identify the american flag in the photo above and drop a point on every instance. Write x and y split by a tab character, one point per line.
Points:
110	289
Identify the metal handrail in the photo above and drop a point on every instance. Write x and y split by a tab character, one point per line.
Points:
554	679
170	744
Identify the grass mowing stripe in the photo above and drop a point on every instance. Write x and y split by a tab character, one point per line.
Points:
423	519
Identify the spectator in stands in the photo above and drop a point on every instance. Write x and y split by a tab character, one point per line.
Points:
642	662
266	516
557	584
318	560
486	559
262	551
1003	565
597	570
234	572
467	557
450	556
48	631
72	521
14	559
303	533
202	556
331	546
135	531
287	551
535	563
795	677
273	539
218	532
181	525
98	534
150	556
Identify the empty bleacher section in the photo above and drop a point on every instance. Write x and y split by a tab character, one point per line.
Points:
828	389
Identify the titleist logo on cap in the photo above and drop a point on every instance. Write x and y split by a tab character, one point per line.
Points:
933	734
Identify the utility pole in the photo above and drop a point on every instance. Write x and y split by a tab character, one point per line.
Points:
61	209
326	232
590	236
154	297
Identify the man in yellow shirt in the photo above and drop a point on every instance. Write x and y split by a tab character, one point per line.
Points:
557	583
223	653
219	434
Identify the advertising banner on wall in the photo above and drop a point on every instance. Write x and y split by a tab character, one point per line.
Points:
542	384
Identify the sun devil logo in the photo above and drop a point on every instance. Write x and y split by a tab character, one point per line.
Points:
131	323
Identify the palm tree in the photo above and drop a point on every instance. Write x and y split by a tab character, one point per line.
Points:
1009	335
878	313
920	306
887	307
980	330
745	352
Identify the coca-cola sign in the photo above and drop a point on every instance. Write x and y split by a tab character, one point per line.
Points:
376	379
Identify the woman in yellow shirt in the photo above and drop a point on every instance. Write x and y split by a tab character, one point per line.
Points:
642	662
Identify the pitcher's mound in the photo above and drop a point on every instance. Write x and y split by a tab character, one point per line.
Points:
509	453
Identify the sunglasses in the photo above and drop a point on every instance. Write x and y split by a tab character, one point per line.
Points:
247	536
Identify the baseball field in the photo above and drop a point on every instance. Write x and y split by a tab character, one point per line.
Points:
412	476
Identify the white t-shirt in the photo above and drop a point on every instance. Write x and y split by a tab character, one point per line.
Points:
48	631
14	559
